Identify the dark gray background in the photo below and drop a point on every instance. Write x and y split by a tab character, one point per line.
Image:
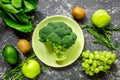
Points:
63	7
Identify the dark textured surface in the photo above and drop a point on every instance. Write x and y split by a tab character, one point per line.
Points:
63	7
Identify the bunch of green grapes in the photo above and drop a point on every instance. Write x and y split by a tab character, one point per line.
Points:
97	61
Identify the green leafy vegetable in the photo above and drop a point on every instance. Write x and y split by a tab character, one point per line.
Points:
17	14
8	8
28	6
6	1
60	36
17	3
34	2
13	24
23	18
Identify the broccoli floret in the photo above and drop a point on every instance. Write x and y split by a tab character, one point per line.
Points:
44	32
59	35
68	40
53	38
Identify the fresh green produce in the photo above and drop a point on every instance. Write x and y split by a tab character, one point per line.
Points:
101	30
17	14
10	54
23	18
16	73
17	3
20	27
112	28
8	8
6	1
60	36
28	6
98	61
102	35
101	18
31	68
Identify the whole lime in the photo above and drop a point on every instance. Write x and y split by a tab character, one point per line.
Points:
101	18
10	54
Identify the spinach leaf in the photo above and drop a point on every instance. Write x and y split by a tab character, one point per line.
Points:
11	23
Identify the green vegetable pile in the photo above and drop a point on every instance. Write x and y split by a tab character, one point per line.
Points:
17	14
16	73
101	30
98	61
60	36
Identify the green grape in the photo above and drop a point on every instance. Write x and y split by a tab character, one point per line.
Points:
108	56
97	56
109	53
97	61
85	54
106	67
97	70
83	59
110	62
85	65
105	60
91	73
101	68
87	71
91	56
94	65
86	60
113	56
90	61
103	53
88	51
102	58
96	52
92	68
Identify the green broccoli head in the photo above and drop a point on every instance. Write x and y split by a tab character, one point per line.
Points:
59	35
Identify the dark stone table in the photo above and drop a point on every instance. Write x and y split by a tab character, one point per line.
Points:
63	7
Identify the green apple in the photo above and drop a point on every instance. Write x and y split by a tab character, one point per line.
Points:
101	18
31	68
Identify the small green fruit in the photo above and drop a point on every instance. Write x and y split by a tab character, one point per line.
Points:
10	54
31	68
101	18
